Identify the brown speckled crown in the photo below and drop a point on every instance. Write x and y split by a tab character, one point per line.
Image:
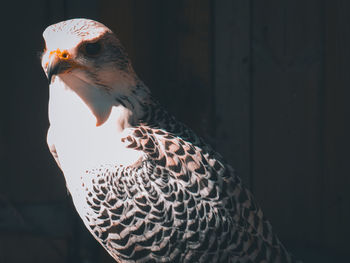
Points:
80	27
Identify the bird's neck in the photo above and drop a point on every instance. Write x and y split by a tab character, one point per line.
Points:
134	99
75	101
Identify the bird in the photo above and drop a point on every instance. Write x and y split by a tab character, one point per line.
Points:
146	186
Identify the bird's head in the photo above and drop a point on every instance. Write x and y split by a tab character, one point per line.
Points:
88	59
87	50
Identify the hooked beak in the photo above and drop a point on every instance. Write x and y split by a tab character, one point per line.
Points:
59	62
53	67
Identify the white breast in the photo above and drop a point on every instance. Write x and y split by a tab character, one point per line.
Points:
80	144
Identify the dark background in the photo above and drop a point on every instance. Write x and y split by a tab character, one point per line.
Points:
265	82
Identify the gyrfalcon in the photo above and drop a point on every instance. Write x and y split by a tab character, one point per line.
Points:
145	185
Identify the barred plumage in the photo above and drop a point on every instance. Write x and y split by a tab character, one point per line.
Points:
177	200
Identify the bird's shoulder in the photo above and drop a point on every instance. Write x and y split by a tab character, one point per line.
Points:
172	148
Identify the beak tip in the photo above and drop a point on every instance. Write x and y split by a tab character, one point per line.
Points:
49	79
54	67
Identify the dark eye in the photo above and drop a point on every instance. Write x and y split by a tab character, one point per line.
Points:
92	49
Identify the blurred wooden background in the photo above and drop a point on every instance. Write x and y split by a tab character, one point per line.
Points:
265	82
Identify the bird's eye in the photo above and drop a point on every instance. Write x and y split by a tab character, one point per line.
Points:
93	49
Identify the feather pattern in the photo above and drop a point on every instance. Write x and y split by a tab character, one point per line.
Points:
181	203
